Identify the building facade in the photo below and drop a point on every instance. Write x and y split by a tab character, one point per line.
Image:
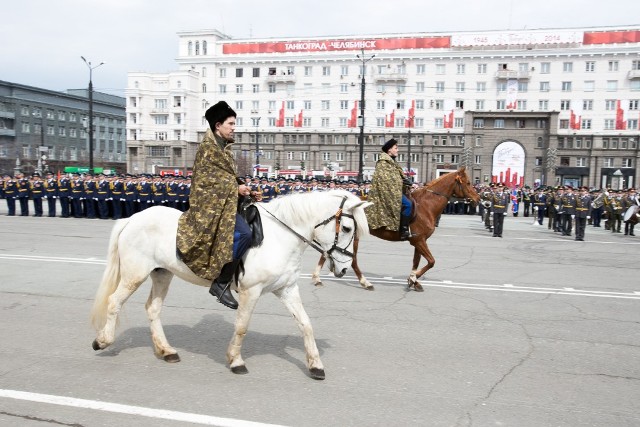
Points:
44	129
528	107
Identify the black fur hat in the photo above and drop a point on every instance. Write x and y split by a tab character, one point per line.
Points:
387	145
218	113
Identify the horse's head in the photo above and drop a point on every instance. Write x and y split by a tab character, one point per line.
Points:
463	188
336	233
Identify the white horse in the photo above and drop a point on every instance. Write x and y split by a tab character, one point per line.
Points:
145	245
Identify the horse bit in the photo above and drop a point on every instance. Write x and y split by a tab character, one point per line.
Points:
315	244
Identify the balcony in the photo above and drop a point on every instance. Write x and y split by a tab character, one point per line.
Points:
159	111
7	115
7	132
390	77
633	74
281	78
512	74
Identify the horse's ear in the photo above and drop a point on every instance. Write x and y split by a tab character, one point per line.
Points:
462	169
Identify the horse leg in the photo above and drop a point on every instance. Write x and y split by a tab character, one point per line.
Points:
290	297
421	249
246	304
161	279
315	276
106	335
354	264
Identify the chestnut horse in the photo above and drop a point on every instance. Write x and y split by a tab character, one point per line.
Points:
430	201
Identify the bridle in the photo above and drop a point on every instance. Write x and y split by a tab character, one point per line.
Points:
337	217
458	183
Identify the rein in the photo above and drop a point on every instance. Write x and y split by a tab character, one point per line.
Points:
315	244
445	195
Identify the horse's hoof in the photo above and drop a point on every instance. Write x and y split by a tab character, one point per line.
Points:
95	345
370	288
240	370
319	284
418	287
172	358
317	374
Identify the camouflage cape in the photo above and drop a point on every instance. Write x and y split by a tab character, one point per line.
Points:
205	231
386	194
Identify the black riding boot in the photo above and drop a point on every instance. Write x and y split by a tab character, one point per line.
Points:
405	233
221	287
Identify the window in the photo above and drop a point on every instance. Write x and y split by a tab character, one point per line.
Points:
501	86
609	124
587	104
326	70
563	124
420	87
441	68
255	88
543	105
479	104
481	86
613	65
324	122
438	158
222	73
271	88
581	162
239	72
565	104
632	124
521	104
610	104
545	67
565	161
501	104
498	123
439	86
325	104
585	124
161	119
380	104
477	160
458	122
438	123
308	71
438	104
607	162
482	68
523	87
478	123
627	162
455	158
635	64
590	66
520	123
239	105
634	104
612	85
459	103
566	86
589	85
459	86
344	105
204	88
567	67
542	124
222	89
421	69
239	89
344	70
460	68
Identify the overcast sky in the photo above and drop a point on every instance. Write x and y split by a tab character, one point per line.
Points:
42	40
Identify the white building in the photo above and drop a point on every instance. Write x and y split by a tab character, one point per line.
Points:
525	106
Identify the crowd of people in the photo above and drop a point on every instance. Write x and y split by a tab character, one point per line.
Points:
566	210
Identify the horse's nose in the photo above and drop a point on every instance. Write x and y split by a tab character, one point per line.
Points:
341	273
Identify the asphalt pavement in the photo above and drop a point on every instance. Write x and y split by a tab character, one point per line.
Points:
532	329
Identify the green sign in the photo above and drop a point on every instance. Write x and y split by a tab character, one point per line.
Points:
81	169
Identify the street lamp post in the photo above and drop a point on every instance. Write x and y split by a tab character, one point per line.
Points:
361	118
91	68
257	120
409	156
41	150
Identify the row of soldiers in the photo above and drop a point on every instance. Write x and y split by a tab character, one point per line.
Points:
93	196
565	206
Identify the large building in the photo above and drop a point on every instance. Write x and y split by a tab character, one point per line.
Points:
527	107
40	128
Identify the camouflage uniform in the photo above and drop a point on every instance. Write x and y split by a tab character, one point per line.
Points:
386	194
205	231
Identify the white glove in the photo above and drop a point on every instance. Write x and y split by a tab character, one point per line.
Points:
588	216
573	216
505	214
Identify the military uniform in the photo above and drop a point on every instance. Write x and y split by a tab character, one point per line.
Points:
583	212
51	194
499	207
10	192
568	206
64	192
117	197
90	196
37	191
540	204
23	195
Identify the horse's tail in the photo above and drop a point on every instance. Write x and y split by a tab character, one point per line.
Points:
110	278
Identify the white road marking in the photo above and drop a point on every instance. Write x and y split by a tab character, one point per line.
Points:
130	410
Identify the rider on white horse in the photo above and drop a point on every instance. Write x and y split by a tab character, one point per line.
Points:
212	238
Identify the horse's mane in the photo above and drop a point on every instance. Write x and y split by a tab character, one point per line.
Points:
435	182
305	207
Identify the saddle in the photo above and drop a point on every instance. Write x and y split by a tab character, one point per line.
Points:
251	214
413	216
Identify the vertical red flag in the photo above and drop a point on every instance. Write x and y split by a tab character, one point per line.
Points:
390	122
280	121
620	122
410	122
353	122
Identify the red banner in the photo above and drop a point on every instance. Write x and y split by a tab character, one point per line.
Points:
610	37
337	45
